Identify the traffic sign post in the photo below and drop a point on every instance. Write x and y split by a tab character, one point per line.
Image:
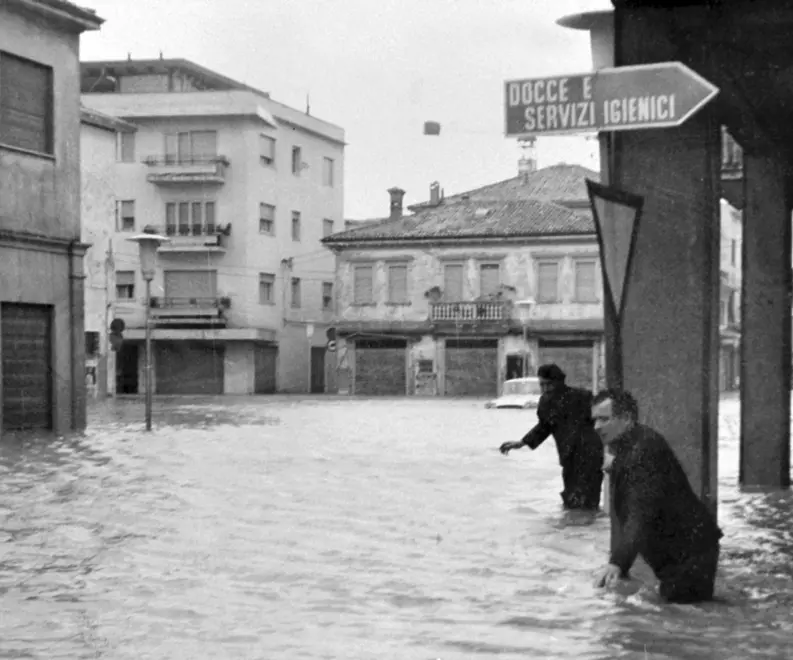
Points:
625	98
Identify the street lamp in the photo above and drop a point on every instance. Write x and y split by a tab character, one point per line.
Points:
148	242
525	307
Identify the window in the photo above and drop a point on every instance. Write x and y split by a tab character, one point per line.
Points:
327	296
548	282
295	225
327	227
125	147
585	282
426	366
191	147
362	285
297	160
266	219
26	117
91	343
722	313
733	308
190	219
267	149
489	279
327	172
125	285
398	283
734	252
125	215
266	289
453	282
295	292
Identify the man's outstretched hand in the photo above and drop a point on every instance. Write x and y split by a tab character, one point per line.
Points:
504	449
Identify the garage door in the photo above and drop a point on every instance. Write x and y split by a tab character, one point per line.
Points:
26	358
265	361
380	368
189	367
471	367
574	358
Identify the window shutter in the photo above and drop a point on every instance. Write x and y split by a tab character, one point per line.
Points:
489	279
548	281
398	284
453	283
204	144
25	101
125	278
585	281
363	284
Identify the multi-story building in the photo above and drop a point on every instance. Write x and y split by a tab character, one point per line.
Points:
41	254
434	303
100	138
427	303
245	188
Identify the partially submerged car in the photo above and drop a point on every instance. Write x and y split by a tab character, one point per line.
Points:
518	393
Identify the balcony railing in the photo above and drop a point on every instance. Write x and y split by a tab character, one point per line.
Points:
468	312
187	310
172	170
192	238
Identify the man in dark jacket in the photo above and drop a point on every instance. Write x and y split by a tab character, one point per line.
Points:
660	517
565	413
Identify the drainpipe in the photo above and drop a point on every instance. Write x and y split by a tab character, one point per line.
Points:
77	370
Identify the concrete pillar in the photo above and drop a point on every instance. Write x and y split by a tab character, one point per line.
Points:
670	328
765	326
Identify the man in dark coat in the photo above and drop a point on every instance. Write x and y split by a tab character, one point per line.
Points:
565	413
659	515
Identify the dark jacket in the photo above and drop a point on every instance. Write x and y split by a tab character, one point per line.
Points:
659	515
566	414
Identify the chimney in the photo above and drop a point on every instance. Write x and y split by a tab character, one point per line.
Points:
528	161
435	193
396	202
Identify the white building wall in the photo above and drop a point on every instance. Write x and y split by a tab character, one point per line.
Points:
97	205
240	118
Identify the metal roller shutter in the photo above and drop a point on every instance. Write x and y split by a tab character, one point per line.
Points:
380	368
187	367
27	360
471	367
576	359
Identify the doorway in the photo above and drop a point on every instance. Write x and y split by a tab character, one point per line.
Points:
317	370
127	369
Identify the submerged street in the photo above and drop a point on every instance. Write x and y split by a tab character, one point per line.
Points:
332	528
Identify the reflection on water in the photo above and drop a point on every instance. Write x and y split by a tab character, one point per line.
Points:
324	528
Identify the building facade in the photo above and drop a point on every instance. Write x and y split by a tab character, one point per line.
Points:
100	137
42	370
730	297
244	187
428	304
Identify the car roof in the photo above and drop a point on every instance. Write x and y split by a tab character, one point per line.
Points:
528	379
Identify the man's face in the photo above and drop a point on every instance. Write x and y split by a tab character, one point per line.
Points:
609	426
547	386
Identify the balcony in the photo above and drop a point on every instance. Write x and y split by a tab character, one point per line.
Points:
185	312
486	312
194	238
174	171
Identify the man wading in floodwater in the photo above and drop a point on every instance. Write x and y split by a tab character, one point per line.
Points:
660	517
565	413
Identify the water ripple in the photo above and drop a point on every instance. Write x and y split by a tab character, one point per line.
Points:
279	527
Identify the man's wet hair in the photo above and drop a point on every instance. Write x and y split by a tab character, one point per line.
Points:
551	372
622	402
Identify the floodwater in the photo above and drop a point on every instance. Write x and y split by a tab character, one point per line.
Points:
287	528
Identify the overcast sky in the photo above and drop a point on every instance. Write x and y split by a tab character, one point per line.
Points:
379	69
